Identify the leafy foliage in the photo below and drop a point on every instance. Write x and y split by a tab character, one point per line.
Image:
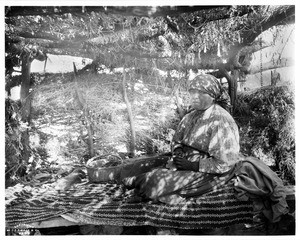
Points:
266	119
13	143
16	169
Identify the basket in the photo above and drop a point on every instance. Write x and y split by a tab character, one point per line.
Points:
97	173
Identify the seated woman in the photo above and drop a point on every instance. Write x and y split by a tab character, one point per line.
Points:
206	155
207	138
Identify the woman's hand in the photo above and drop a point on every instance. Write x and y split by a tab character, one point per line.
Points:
183	164
178	152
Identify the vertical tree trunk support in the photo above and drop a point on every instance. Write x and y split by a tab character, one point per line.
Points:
25	106
130	117
232	87
25	87
90	135
87	119
85	111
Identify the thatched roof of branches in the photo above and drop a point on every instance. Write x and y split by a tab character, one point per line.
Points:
179	37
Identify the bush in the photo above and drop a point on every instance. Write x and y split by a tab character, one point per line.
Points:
266	120
15	167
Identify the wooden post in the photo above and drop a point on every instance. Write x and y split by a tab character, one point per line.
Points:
130	118
25	99
25	88
86	114
232	86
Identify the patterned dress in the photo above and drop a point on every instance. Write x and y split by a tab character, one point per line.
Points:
210	137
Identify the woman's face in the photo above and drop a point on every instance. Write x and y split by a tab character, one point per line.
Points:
200	100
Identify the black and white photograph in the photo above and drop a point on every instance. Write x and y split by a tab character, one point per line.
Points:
132	119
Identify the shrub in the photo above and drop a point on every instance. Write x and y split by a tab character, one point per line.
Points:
14	146
266	120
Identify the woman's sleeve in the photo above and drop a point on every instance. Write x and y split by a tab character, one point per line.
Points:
178	136
223	147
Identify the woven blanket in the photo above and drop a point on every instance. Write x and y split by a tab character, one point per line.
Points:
109	204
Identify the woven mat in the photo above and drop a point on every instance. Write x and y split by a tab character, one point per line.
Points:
108	204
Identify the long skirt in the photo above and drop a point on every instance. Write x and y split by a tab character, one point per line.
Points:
252	179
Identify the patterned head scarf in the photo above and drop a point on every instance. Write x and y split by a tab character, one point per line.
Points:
209	84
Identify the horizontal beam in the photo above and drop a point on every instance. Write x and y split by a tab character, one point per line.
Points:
284	62
141	11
